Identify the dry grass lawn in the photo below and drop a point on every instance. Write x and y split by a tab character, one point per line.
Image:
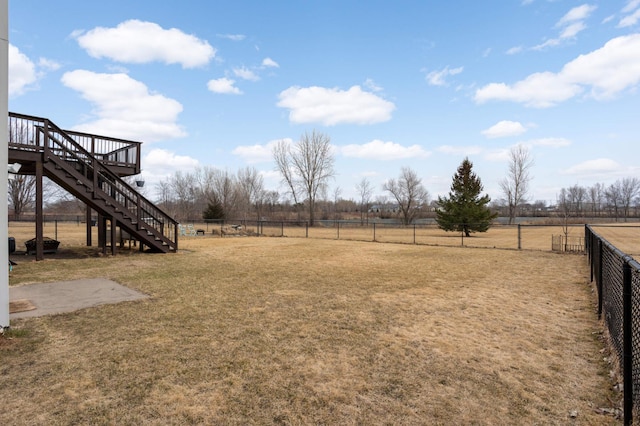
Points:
313	331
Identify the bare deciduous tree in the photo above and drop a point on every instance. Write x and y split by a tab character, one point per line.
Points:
576	196
282	157
21	192
306	167
183	194
337	192
408	192
226	189
515	186
252	192
613	195
365	190
564	206
595	195
629	189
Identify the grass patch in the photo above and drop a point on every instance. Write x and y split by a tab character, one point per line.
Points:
302	331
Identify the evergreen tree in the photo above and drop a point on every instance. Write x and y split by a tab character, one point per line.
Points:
214	211
465	210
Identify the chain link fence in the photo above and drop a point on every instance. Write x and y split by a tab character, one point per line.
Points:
522	236
71	230
617	278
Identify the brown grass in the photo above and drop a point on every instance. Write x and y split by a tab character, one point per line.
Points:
314	331
625	237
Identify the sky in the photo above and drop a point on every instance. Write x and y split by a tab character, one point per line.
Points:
407	83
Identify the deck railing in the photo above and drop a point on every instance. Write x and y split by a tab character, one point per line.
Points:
111	151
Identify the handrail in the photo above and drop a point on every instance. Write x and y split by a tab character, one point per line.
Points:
112	179
39	134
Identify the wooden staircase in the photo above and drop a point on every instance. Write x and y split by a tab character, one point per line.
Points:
90	167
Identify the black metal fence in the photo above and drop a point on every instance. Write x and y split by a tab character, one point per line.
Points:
568	244
617	277
521	236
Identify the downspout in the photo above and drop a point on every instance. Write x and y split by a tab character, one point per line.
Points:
4	157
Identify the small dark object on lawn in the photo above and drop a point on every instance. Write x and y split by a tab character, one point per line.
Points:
50	245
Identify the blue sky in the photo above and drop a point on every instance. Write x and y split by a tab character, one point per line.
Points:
419	84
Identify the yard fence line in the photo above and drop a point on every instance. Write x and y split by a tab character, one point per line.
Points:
617	277
426	233
529	236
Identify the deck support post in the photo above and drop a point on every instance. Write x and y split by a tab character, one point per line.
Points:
39	212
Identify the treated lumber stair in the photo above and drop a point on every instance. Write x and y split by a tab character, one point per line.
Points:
92	178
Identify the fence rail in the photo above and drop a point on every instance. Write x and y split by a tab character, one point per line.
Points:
617	277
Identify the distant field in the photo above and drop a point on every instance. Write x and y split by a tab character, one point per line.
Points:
311	331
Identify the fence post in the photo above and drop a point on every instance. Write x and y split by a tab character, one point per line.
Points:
414	233
627	330
338	223
599	278
519	238
282	228
374	231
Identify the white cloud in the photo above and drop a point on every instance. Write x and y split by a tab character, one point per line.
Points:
371	85
578	13
334	106
605	72
503	129
460	150
498	155
139	42
631	6
233	37
124	107
22	72
258	153
514	50
245	74
437	78
380	150
570	25
572	30
549	43
162	163
629	20
48	64
600	166
550	142
223	85
270	63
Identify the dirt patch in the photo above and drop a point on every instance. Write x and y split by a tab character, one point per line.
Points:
20	305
